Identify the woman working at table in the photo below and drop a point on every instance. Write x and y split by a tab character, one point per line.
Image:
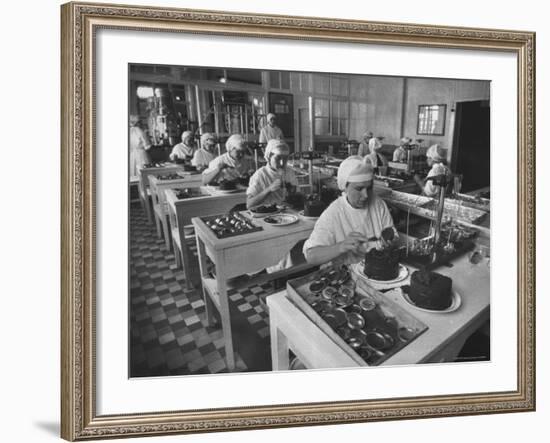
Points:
230	165
271	182
354	222
204	155
375	158
435	157
185	149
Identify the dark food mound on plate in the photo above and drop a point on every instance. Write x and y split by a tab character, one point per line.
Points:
227	185
382	264
430	290
313	207
243	179
265	209
296	200
188	167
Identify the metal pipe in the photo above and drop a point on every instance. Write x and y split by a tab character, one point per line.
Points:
440	208
311	104
199	115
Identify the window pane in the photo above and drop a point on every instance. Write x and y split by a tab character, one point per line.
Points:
321	126
274	81
321	108
285	80
321	84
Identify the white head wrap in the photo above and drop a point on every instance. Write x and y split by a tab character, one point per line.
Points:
374	144
268	116
233	142
205	137
435	152
355	170
186	134
368	134
406	140
275	145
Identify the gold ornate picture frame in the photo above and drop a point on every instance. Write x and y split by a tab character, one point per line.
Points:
80	22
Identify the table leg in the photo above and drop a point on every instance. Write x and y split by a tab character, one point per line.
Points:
148	211
203	267
225	315
185	260
166	231
279	346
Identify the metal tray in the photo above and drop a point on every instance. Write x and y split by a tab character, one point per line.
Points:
386	327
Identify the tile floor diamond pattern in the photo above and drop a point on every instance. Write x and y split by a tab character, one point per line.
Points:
168	328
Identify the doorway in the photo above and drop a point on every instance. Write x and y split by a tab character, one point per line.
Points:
471	154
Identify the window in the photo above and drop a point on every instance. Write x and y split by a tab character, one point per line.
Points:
431	119
322	125
279	80
339	117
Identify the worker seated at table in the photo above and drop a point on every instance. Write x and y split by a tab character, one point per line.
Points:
273	182
203	156
353	223
400	154
375	158
435	157
363	148
185	149
231	165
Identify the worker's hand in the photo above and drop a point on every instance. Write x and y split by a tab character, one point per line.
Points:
354	242
222	166
277	183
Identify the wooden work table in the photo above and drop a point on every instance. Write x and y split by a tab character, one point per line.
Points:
144	173
181	211
446	334
158	198
241	254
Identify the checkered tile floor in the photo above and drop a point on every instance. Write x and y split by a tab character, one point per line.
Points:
168	328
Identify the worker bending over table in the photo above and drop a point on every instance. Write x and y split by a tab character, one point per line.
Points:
353	223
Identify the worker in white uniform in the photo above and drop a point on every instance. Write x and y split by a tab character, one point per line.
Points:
364	145
230	165
375	158
435	157
271	130
139	145
400	154
203	156
353	223
271	183
184	150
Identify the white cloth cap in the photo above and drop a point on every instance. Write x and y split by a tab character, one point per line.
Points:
206	136
354	169
374	144
435	152
186	134
233	142
275	145
406	140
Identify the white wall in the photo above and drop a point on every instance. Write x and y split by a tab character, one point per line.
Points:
29	369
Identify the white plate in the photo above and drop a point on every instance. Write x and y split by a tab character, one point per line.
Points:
281	219
217	190
381	284
455	304
307	217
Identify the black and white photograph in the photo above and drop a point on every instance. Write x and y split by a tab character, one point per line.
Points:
284	220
